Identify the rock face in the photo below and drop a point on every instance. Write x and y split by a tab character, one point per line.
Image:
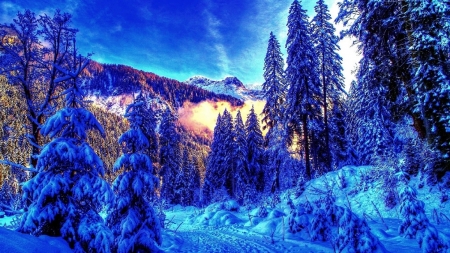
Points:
230	86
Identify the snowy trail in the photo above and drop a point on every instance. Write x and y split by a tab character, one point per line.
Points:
217	241
233	239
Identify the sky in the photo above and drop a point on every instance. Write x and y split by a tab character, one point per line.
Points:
180	38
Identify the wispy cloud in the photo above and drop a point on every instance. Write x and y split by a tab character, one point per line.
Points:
213	28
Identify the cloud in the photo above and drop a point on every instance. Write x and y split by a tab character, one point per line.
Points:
9	11
213	28
201	117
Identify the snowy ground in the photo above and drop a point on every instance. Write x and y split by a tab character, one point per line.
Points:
225	227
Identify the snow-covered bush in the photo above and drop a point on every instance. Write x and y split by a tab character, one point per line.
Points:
68	192
412	210
262	211
300	187
231	205
297	219
354	235
320	226
415	223
132	219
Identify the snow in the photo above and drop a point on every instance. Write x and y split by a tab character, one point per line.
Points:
228	227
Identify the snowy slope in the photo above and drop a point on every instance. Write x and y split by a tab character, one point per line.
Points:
226	227
15	242
231	86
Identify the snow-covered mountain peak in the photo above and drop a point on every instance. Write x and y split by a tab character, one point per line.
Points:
229	86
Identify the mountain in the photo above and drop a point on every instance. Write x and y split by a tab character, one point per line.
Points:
113	85
230	86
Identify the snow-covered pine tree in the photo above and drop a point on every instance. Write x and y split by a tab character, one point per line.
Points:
192	181
415	223
170	155
212	164
219	168
187	183
302	104
255	149
274	85
354	235
148	127
339	143
68	192
330	73
372	127
132	219
241	177
429	36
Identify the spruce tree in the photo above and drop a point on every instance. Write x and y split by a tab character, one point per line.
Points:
68	192
274	85
170	155
302	105
219	169
132	219
329	69
148	127
255	151
211	174
430	53
241	174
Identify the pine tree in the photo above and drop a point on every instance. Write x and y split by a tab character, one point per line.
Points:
354	235
241	176
132	219
211	174
219	170
339	143
68	192
302	105
329	69
148	127
170	155
415	223
274	85
255	144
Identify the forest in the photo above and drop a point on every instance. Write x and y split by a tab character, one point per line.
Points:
109	182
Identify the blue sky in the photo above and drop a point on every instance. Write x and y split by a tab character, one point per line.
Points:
174	38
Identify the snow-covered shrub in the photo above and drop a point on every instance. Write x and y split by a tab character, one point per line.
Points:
320	226
412	210
341	182
354	235
68	192
301	186
430	240
297	219
132	219
262	211
231	205
415	223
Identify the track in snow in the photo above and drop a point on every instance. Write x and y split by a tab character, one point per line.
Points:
231	240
